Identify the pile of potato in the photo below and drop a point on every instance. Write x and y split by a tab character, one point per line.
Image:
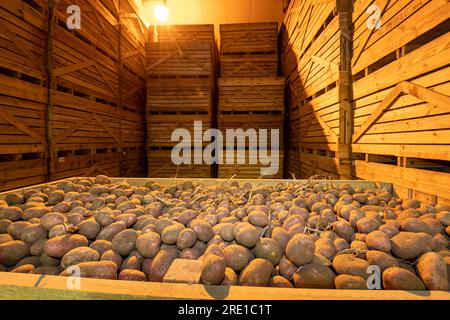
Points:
289	235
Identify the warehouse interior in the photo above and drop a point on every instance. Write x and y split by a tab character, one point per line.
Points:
143	138
79	102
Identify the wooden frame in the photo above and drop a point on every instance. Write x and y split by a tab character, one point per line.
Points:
29	286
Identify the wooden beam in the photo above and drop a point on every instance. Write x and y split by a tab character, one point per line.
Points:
50	83
9	117
73	128
390	99
33	286
74	67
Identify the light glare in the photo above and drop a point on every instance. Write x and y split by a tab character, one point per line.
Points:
161	13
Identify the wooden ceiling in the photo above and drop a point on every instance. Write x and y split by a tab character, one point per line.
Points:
217	11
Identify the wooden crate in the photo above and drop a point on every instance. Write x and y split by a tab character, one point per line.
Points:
251	94
184	95
315	36
243	169
248	37
87	162
262	120
161	126
23	94
403	115
249	65
182	33
190	59
160	165
133	163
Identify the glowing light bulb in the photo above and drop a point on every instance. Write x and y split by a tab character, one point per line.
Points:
161	13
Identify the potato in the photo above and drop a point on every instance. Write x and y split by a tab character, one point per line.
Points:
26	268
186	216
390	230
186	238
281	236
258	218
15	229
74	218
4	224
124	242
203	230
46	260
105	217
35	212
444	218
381	259
148	244
230	278
408	245
300	249
11	213
190	254
55	197
214	249
110	231
314	276
343	229
396	278
325	247
256	273
95	269
163	223
213	269
292	220
77	255
349	264
226	231
280	282
57	247
128	218
143	221
345	281
114	256
378	240
101	246
5	238
132	275
416	225
246	234
47	270
267	248
33	233
102	179
52	219
432	268
89	228
161	264
33	260
170	234
367	225
12	252
133	261
237	257
58	230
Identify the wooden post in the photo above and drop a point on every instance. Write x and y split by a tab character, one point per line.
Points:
120	104
345	9
49	73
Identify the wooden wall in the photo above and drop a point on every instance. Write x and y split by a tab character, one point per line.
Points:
77	108
401	97
378	109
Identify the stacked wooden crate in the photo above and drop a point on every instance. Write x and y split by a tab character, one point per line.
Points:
251	96
180	73
23	95
72	100
401	97
98	91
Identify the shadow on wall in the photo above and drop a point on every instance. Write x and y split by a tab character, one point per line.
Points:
307	148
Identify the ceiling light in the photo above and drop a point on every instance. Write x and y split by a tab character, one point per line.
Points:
161	13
